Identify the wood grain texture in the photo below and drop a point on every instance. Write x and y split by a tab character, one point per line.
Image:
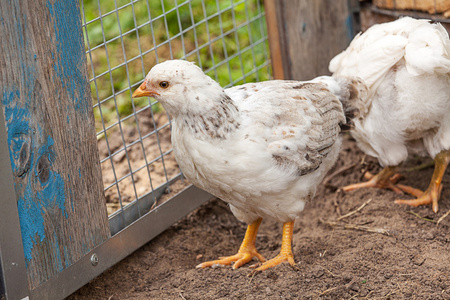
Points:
430	6
51	137
312	33
370	15
273	14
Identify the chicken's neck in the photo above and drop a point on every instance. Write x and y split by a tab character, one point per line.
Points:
217	123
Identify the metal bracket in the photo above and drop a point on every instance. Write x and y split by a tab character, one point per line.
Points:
13	270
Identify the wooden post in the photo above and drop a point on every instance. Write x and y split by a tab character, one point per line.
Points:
305	35
45	98
273	20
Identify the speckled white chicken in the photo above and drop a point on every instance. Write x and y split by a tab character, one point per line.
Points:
262	147
405	65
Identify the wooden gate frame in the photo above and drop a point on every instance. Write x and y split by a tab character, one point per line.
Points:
55	233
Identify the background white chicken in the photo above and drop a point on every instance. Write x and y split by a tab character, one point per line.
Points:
405	65
262	147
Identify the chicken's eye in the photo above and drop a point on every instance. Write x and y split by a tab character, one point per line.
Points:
164	84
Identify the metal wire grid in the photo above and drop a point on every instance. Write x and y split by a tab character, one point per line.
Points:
124	39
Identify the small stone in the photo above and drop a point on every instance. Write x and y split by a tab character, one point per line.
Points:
354	286
418	260
141	190
347	278
428	235
317	272
364	292
119	156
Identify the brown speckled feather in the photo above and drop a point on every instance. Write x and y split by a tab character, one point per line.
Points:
262	147
304	122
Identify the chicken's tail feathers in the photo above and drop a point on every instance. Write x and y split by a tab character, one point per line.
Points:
354	96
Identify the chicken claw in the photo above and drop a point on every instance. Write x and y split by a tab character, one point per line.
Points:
433	193
285	252
386	179
245	254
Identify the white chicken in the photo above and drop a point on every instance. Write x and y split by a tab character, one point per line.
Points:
405	65
262	147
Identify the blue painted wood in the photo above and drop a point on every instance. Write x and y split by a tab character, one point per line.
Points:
50	131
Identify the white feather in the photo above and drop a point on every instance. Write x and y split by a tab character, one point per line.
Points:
262	147
406	67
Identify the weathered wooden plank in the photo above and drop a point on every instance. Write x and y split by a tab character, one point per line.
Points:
371	15
50	129
311	33
273	17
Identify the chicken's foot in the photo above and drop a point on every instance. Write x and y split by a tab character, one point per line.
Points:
433	193
386	179
245	254
285	252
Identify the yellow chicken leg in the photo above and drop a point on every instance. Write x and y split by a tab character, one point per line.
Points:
285	252
246	252
433	193
386	179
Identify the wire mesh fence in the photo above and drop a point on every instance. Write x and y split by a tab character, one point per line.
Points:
124	39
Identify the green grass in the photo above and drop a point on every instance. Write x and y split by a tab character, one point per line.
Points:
165	25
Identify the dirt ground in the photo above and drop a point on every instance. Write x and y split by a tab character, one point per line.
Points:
383	251
118	167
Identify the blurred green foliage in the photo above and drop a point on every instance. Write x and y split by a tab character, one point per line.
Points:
132	36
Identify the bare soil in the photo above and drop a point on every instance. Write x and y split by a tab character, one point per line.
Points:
382	251
148	146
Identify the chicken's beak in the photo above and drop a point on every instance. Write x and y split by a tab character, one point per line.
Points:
142	91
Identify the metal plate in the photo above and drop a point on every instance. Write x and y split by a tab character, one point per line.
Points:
11	250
